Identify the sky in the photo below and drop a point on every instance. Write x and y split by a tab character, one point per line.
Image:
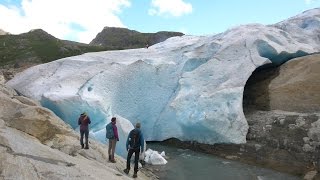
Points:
82	20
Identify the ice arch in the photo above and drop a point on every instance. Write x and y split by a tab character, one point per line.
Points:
187	87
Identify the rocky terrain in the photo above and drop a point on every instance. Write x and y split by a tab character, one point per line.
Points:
36	144
122	38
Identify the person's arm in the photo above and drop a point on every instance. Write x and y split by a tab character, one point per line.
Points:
141	142
89	121
115	132
127	143
79	121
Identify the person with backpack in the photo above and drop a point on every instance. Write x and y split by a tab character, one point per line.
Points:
135	143
84	122
113	137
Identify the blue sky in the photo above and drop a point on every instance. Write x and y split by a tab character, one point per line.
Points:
213	16
81	20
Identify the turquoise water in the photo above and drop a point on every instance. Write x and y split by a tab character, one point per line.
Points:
184	164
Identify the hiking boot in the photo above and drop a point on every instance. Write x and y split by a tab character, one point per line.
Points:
113	161
87	146
82	146
135	175
109	157
126	171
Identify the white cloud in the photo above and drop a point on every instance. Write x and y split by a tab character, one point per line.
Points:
58	17
169	8
183	30
309	1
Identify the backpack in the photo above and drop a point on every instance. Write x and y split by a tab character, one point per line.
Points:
134	139
109	131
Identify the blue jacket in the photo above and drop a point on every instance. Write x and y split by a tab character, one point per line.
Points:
141	139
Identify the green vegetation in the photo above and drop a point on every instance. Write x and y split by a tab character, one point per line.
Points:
39	47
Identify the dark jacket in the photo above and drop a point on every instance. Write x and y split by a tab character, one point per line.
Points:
84	122
141	139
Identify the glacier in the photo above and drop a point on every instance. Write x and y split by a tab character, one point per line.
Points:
188	87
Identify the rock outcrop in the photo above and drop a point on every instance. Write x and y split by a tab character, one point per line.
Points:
282	106
123	38
36	47
294	86
36	144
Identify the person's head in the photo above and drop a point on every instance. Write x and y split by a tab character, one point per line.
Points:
113	120
138	125
84	114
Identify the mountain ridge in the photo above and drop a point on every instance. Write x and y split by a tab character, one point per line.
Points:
120	38
37	46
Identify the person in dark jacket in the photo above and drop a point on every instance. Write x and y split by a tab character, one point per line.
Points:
134	144
113	140
84	122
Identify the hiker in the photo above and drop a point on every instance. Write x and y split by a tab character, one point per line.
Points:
135	141
84	122
113	137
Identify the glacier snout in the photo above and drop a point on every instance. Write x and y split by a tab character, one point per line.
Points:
187	87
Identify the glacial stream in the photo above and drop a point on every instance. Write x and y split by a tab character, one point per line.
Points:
184	164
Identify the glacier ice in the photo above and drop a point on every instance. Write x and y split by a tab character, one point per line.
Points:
154	158
187	87
124	127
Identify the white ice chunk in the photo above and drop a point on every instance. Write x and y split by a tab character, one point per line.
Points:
154	158
163	154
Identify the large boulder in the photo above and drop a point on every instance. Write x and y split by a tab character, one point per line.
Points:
36	144
294	86
297	87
